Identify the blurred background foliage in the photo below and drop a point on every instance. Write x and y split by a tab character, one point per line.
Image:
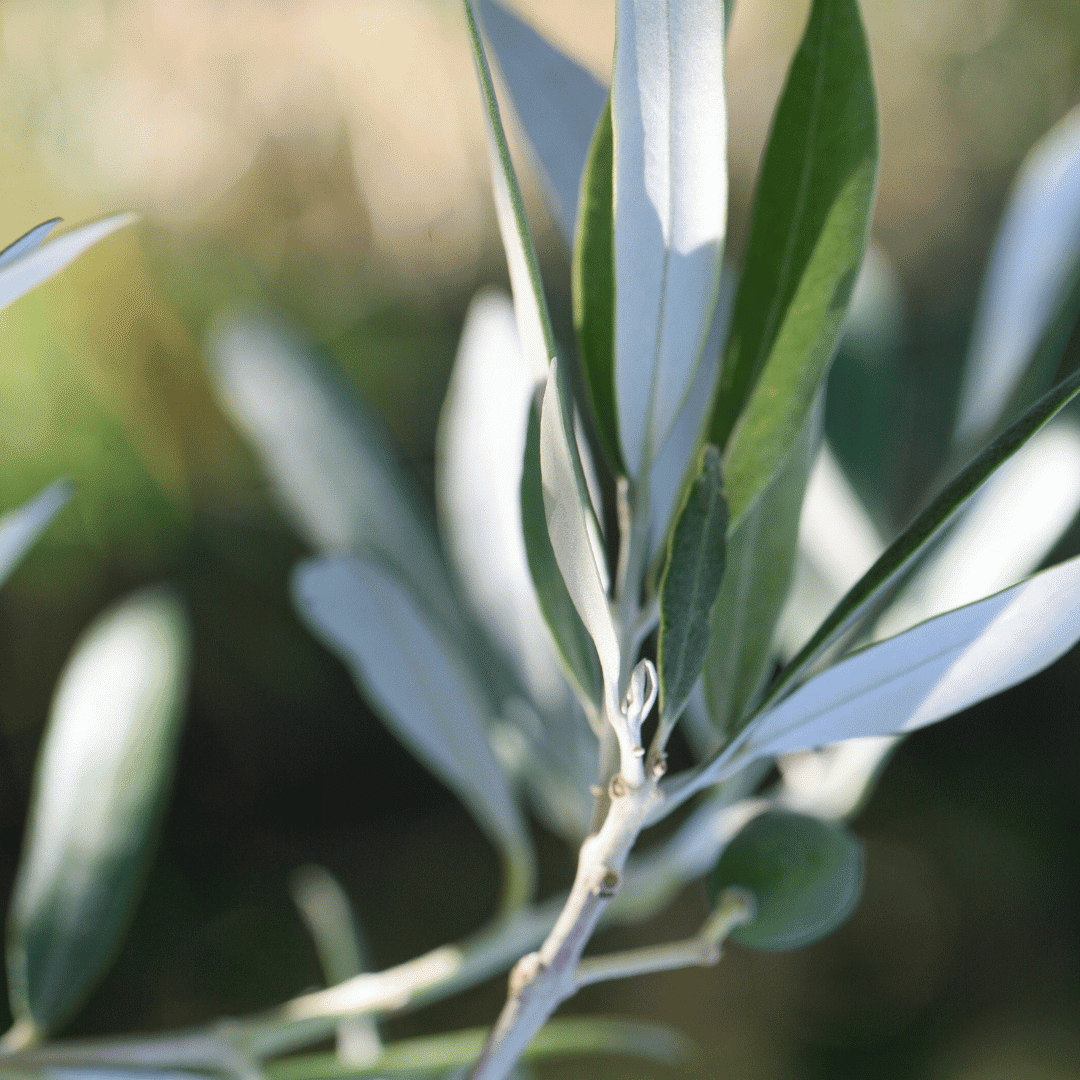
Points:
326	159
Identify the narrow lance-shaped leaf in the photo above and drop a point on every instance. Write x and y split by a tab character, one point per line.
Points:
35	264
99	790
807	237
478	492
761	553
575	646
566	495
932	671
557	100
690	586
20	528
337	473
28	241
866	594
568	525
593	287
1037	245
423	687
530	304
670	207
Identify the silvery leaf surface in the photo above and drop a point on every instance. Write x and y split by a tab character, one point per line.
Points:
1002	535
670	208
1037	245
27	242
337	473
571	528
479	450
99	790
557	101
415	674
932	671
21	527
34	264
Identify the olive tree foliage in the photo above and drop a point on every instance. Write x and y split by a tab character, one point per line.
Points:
637	526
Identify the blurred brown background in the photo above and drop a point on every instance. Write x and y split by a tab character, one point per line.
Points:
326	158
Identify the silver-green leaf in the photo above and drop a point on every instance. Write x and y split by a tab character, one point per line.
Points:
99	790
414	673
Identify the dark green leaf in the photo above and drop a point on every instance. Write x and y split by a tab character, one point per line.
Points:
807	238
760	560
690	586
806	876
594	288
99	790
575	646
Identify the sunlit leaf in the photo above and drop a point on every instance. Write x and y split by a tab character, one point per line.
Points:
866	595
806	876
807	237
478	477
28	242
33	264
424	688
569	526
575	646
690	586
670	208
557	100
932	671
593	285
530	304
1037	247
338	474
1002	535
20	528
99	789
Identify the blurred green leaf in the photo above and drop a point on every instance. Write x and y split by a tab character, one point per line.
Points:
347	487
99	790
760	560
557	100
438	1054
572	640
669	123
31	265
425	689
1034	270
807	238
690	586
806	876
593	284
20	528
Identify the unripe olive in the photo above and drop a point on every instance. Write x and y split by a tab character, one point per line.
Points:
805	874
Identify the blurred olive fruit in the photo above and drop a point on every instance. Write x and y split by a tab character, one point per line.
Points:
806	876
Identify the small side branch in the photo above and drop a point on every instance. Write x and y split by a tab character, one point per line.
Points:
736	908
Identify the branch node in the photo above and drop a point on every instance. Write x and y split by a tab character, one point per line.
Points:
606	886
524	972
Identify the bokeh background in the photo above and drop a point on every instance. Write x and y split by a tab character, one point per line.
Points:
325	158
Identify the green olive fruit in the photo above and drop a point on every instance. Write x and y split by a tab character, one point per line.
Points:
805	874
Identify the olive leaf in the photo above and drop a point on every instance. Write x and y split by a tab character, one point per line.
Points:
99	790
